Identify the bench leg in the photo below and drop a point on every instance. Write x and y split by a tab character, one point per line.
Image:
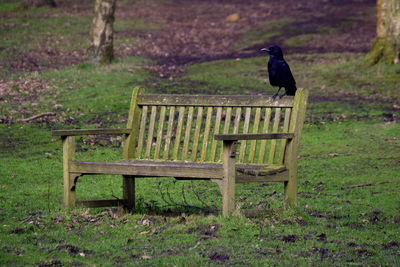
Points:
69	178
291	191
228	183
129	192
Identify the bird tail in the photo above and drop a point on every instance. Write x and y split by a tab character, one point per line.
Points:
291	90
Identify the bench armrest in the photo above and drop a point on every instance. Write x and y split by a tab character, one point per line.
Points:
257	136
74	132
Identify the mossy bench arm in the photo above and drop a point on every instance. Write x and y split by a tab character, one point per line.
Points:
260	136
196	137
76	132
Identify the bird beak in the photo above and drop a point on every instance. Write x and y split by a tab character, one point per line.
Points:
265	49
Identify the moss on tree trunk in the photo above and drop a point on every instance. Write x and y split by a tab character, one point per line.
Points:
101	34
386	47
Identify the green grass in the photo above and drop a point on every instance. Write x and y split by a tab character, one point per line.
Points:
332	224
6	7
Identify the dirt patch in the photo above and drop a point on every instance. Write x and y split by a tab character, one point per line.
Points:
219	258
290	238
205	231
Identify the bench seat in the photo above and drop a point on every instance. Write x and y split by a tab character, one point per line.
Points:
188	170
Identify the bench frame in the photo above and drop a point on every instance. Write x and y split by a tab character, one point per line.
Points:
225	174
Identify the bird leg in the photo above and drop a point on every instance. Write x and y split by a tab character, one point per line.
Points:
277	93
282	95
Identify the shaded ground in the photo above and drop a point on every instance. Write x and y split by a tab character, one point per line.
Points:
202	30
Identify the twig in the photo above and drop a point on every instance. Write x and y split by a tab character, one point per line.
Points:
363	185
37	116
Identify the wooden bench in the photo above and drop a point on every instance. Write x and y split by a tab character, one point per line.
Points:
222	138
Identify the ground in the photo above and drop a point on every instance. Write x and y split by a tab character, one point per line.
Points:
348	203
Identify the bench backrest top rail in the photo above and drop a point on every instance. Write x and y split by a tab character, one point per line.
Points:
214	100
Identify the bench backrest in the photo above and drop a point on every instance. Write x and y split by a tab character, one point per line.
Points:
182	127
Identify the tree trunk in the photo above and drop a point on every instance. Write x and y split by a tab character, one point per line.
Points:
386	47
101	34
39	3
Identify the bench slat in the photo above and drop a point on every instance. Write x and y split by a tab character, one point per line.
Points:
275	126
169	132
153	115
245	131
199	121
251	136
206	134
186	140
73	132
100	203
144	168
142	131
284	141
267	119
216	131
215	100
178	132
227	124
255	130
160	133
237	120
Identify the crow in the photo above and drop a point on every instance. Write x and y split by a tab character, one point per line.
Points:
279	72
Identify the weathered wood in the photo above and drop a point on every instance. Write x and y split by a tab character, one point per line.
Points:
216	131
228	183
267	119
188	131
178	133
255	131
69	147
75	132
147	168
236	124
206	134
196	139
285	130
227	124
142	130
128	191
245	131
291	151
261	136
133	123
169	133
275	126
160	133
216	100
149	144
100	203
148	151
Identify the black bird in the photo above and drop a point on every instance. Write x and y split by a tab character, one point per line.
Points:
279	72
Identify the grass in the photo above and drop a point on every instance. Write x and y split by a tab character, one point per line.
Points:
348	210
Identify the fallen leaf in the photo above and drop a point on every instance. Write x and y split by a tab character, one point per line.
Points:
144	257
144	233
233	17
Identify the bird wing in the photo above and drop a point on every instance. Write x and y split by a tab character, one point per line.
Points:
280	73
